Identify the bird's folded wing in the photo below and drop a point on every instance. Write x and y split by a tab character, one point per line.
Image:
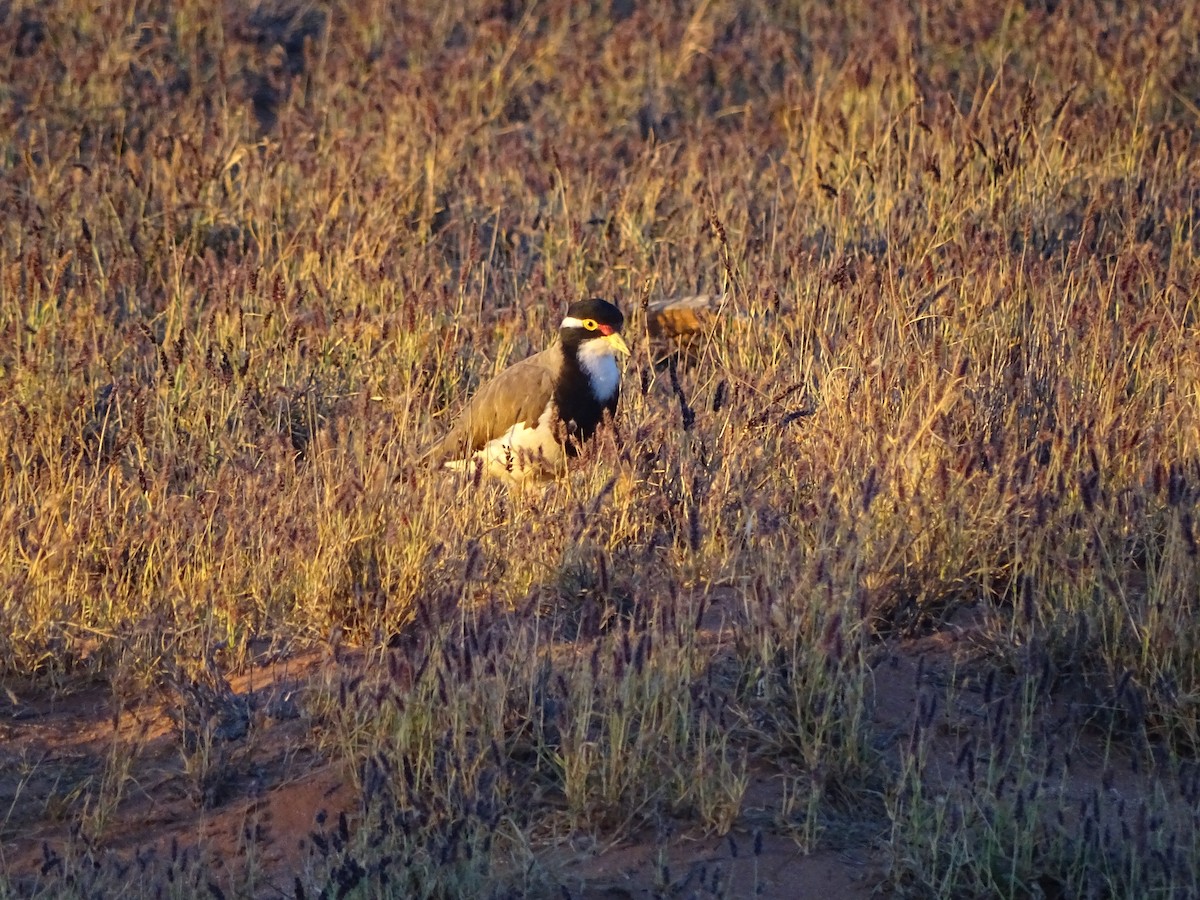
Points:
518	394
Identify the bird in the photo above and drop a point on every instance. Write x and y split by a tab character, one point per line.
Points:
527	420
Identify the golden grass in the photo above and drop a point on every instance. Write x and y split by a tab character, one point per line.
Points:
252	257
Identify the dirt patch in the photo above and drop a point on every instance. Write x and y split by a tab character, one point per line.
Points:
760	862
265	791
79	769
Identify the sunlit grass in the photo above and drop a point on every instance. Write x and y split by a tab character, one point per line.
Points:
254	258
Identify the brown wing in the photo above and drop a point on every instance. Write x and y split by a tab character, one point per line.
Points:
518	394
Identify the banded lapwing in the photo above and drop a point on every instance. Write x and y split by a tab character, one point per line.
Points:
530	417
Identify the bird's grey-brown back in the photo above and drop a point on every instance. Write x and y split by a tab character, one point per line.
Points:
518	394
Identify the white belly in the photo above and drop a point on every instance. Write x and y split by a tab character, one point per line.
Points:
519	453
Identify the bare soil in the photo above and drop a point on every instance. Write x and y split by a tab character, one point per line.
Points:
265	794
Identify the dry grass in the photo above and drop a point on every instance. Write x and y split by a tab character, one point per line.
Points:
251	257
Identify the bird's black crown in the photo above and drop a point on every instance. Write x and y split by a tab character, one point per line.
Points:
603	316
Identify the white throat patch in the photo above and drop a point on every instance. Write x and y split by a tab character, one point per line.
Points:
598	360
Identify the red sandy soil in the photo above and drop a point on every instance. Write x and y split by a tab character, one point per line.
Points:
52	748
